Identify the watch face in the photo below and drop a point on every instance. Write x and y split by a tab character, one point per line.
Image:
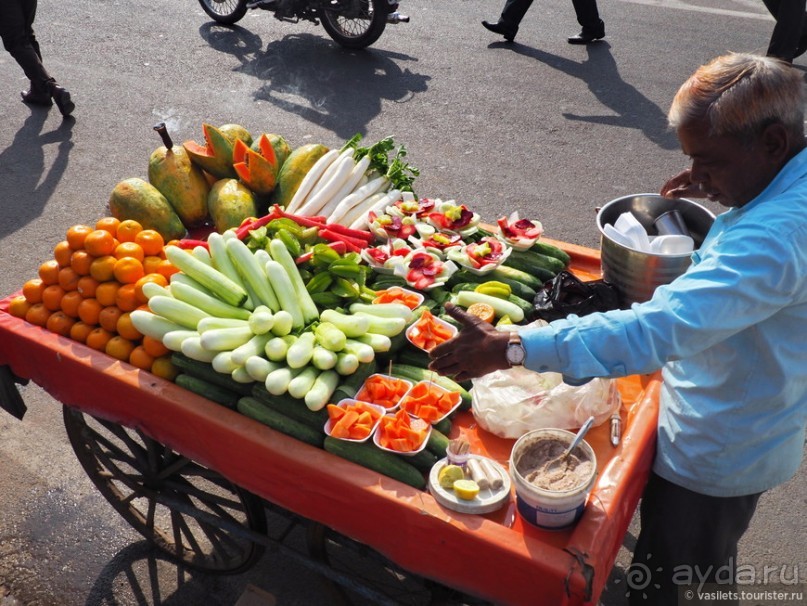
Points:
515	354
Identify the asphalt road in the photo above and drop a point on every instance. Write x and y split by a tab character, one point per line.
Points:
540	127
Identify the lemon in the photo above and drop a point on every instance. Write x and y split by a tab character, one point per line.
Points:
450	474
466	489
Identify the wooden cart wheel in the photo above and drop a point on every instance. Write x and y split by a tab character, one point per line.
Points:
188	511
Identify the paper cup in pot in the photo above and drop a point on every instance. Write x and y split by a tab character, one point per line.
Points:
541	507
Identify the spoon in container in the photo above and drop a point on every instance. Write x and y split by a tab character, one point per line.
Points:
554	464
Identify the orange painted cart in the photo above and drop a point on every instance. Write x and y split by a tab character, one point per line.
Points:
143	439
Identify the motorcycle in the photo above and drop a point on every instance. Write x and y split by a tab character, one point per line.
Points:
351	23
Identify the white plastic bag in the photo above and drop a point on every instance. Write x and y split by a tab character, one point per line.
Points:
511	402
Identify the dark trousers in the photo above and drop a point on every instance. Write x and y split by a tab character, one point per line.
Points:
17	32
686	536
790	26
586	10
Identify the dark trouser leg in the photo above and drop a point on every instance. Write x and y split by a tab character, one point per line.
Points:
514	11
790	19
587	15
16	31
686	536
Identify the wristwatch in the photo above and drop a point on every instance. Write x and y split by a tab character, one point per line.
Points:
515	352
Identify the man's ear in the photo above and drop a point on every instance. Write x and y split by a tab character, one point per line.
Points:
777	143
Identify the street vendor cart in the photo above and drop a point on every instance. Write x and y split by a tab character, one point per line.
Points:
195	477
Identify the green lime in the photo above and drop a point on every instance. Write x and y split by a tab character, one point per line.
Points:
450	474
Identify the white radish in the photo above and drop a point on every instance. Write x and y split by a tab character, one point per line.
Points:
359	195
347	188
311	178
392	196
361	207
321	195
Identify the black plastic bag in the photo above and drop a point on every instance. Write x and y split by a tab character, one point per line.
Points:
566	294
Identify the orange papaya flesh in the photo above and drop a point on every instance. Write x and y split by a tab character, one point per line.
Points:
216	155
279	145
255	170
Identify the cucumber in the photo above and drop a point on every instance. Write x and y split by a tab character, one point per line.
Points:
526	306
542	267
551	251
424	460
517	287
438	441
208	390
369	455
415	374
413	357
293	408
204	371
443	426
254	409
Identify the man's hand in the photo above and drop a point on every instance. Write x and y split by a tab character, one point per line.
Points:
477	350
681	186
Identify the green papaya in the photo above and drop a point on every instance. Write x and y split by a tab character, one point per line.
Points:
229	203
138	199
293	171
179	180
216	156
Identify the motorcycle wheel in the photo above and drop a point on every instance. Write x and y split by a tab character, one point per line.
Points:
225	11
359	26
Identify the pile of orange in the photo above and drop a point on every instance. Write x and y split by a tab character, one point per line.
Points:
94	281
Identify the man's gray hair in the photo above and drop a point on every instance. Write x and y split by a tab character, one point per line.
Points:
739	94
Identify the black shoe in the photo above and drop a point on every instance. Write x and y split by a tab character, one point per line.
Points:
802	47
37	95
588	35
500	28
62	99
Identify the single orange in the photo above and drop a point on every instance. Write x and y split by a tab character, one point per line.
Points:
126	297
108	318
140	358
76	235
119	348
106	292
167	268
70	302
151	241
127	230
80	331
128	270
103	268
38	314
156	278
60	323
32	290
99	242
129	249
151	263
163	367
49	272
97	338
154	347
81	261
19	306
109	224
88	311
126	328
68	278
86	286
52	297
62	252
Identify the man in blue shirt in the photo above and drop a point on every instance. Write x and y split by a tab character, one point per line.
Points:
728	334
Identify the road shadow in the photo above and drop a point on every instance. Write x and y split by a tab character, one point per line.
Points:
339	89
631	109
26	188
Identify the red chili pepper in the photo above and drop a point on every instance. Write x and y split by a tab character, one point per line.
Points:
351	244
353	233
300	220
190	244
337	245
247	226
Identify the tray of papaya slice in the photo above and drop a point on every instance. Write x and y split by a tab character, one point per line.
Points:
383	390
428	331
353	420
401	433
430	402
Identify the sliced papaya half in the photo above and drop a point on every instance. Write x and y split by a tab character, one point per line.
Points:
216	156
256	169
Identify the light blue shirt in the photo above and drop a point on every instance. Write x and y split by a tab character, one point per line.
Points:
730	338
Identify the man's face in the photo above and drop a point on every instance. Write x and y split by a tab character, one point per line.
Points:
729	171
